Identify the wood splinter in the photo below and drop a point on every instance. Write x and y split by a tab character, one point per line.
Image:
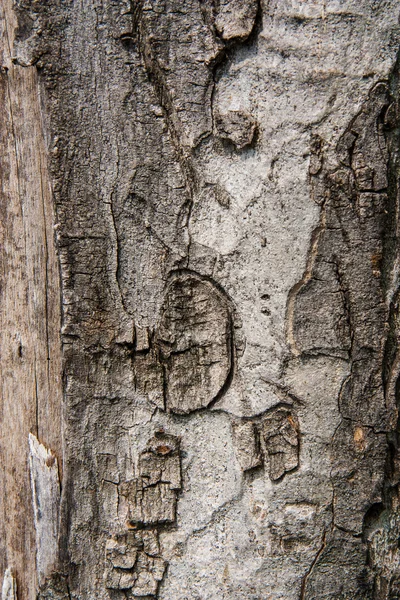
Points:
46	504
9	589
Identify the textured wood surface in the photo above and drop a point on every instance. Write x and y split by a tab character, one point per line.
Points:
9	587
46	506
29	298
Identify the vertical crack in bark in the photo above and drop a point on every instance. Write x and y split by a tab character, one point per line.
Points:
117	253
183	144
157	78
310	570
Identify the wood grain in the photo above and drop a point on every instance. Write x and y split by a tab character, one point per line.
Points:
30	315
9	587
46	505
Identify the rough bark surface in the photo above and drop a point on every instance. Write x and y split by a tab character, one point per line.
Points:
225	182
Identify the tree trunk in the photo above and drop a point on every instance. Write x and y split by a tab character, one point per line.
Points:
200	207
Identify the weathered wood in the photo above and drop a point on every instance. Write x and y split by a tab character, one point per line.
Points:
46	507
31	389
9	587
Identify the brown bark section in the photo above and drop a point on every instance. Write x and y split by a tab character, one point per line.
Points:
30	315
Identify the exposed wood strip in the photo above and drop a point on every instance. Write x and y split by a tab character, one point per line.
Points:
30	314
9	588
46	505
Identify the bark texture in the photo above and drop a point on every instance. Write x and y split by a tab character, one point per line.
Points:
225	181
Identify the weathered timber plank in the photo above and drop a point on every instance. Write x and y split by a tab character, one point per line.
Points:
29	299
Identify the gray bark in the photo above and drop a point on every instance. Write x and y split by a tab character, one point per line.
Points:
224	180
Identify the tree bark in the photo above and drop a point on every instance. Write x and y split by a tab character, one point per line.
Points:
200	206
